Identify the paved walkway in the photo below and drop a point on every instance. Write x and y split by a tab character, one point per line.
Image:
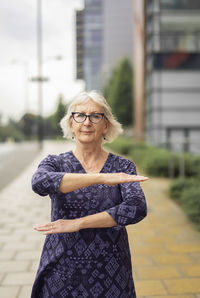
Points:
165	247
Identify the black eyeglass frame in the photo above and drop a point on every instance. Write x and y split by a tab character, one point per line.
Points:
102	114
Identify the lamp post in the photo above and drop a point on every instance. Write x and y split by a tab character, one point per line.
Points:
39	78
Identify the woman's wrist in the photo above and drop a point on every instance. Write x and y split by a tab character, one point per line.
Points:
80	223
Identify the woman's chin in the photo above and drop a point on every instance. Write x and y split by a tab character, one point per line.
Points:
87	139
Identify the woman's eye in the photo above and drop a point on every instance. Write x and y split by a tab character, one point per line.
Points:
80	115
95	116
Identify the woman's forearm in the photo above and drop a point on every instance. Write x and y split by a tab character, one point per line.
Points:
73	181
98	220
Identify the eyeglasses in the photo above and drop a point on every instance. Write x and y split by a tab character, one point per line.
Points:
81	117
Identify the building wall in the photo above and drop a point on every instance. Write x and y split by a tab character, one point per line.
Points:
173	75
107	39
79	44
117	34
93	38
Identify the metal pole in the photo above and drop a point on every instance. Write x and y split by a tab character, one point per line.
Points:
39	60
139	56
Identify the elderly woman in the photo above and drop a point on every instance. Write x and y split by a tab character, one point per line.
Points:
94	195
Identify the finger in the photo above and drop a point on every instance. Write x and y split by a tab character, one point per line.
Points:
44	227
138	178
142	177
49	232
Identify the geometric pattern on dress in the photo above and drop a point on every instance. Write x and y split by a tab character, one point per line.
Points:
112	266
113	234
97	246
80	292
92	262
121	277
55	284
113	292
80	246
96	290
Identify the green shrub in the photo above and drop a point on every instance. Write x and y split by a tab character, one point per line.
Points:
156	161
190	201
178	187
121	145
192	165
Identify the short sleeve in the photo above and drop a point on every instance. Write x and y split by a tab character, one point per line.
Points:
133	207
47	178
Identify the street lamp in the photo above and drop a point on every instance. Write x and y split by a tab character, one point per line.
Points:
39	78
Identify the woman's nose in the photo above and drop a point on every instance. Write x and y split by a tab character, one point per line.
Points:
87	121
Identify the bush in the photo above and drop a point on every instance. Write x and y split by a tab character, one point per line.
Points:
187	193
121	145
190	201
156	161
178	187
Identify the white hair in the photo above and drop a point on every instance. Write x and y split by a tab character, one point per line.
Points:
115	127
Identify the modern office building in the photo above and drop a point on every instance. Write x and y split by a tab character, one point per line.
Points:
172	73
93	43
105	30
117	34
79	44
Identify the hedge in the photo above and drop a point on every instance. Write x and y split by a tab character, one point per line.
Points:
155	161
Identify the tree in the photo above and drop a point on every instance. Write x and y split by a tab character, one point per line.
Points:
52	128
119	92
28	125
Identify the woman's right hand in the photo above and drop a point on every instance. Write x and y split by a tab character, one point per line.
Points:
117	178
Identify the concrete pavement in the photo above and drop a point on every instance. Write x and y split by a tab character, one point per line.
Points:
14	157
165	247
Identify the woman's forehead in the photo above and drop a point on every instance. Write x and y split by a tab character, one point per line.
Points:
89	105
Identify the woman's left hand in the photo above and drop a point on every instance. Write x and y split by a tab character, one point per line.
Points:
59	226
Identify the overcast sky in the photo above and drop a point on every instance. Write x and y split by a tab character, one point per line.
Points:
18	41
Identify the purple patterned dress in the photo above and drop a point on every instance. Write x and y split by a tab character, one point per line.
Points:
93	262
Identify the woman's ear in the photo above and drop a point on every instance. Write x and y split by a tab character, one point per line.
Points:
107	126
71	125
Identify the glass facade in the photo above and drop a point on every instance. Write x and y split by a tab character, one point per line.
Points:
93	42
79	44
176	61
173	72
180	4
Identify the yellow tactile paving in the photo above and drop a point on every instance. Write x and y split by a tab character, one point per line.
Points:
165	248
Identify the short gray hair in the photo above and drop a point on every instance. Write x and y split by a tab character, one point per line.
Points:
115	127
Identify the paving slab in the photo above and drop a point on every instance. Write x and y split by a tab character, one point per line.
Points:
9	292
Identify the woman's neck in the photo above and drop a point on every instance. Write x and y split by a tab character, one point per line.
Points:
89	153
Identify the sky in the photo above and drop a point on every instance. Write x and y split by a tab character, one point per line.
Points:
18	55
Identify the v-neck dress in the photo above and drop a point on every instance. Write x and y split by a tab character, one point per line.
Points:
93	262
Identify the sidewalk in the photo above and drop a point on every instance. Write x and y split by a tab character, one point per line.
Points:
165	248
20	245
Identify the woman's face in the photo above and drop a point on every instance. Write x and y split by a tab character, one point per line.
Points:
88	132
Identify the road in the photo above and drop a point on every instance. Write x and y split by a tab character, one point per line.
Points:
14	157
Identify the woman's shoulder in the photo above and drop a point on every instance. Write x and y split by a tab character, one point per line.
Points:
121	161
56	158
